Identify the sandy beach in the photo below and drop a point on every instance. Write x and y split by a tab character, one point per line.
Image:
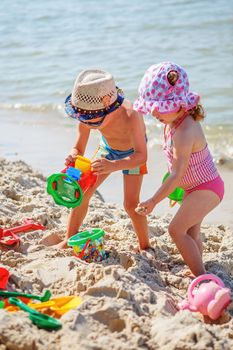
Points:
129	300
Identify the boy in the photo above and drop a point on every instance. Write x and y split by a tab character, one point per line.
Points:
98	104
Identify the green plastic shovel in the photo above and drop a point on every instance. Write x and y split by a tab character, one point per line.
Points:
39	319
45	297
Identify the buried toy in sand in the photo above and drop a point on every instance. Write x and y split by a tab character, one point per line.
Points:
210	298
55	307
88	245
39	319
4	276
42	313
9	236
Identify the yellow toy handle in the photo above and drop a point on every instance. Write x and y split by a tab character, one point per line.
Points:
83	164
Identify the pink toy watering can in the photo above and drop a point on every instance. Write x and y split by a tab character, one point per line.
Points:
211	298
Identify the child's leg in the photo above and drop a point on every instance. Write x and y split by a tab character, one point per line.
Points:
194	232
194	208
77	215
132	187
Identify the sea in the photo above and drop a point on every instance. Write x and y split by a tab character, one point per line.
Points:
45	44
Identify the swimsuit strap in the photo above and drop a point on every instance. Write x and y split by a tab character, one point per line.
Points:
175	126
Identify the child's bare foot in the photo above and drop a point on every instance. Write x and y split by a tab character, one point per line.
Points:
139	249
61	245
148	252
136	250
189	274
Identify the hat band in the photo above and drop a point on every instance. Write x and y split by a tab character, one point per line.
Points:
105	110
84	115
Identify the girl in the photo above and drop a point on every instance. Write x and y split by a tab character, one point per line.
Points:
164	92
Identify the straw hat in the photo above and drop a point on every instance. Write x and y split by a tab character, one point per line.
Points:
91	88
94	93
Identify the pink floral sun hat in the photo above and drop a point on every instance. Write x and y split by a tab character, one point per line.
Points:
156	93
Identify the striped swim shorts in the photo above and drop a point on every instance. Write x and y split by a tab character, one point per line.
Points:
105	151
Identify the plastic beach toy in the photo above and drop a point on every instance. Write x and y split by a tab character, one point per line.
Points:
71	304
52	303
88	245
59	305
55	307
4	276
83	164
210	298
39	319
67	188
45	297
9	236
177	195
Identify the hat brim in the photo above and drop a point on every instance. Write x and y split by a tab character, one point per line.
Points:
72	112
167	106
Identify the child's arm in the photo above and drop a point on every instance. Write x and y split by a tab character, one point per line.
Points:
182	149
80	143
139	157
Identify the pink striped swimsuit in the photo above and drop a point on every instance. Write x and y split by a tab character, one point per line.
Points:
201	170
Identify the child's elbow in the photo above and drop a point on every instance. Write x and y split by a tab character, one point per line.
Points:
177	175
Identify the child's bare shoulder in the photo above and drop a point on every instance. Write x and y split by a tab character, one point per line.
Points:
127	104
131	113
186	129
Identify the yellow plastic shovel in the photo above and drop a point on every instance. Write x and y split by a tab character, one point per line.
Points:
57	306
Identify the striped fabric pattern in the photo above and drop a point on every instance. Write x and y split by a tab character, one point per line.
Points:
105	151
201	167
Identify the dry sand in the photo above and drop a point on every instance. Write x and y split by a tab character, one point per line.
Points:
129	300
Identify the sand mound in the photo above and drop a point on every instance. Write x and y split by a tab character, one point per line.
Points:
129	300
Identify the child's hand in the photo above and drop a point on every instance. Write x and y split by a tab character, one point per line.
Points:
102	166
145	208
69	160
71	157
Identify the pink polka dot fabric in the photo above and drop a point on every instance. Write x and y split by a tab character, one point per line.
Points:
156	93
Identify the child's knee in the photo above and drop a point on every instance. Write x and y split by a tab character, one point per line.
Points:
130	207
173	230
88	195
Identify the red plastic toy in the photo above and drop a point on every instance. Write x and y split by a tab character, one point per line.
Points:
4	276
87	180
9	236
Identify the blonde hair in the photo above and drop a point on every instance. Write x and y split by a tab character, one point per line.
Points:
197	113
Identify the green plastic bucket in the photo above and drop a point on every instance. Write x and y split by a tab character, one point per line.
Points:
88	245
178	194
